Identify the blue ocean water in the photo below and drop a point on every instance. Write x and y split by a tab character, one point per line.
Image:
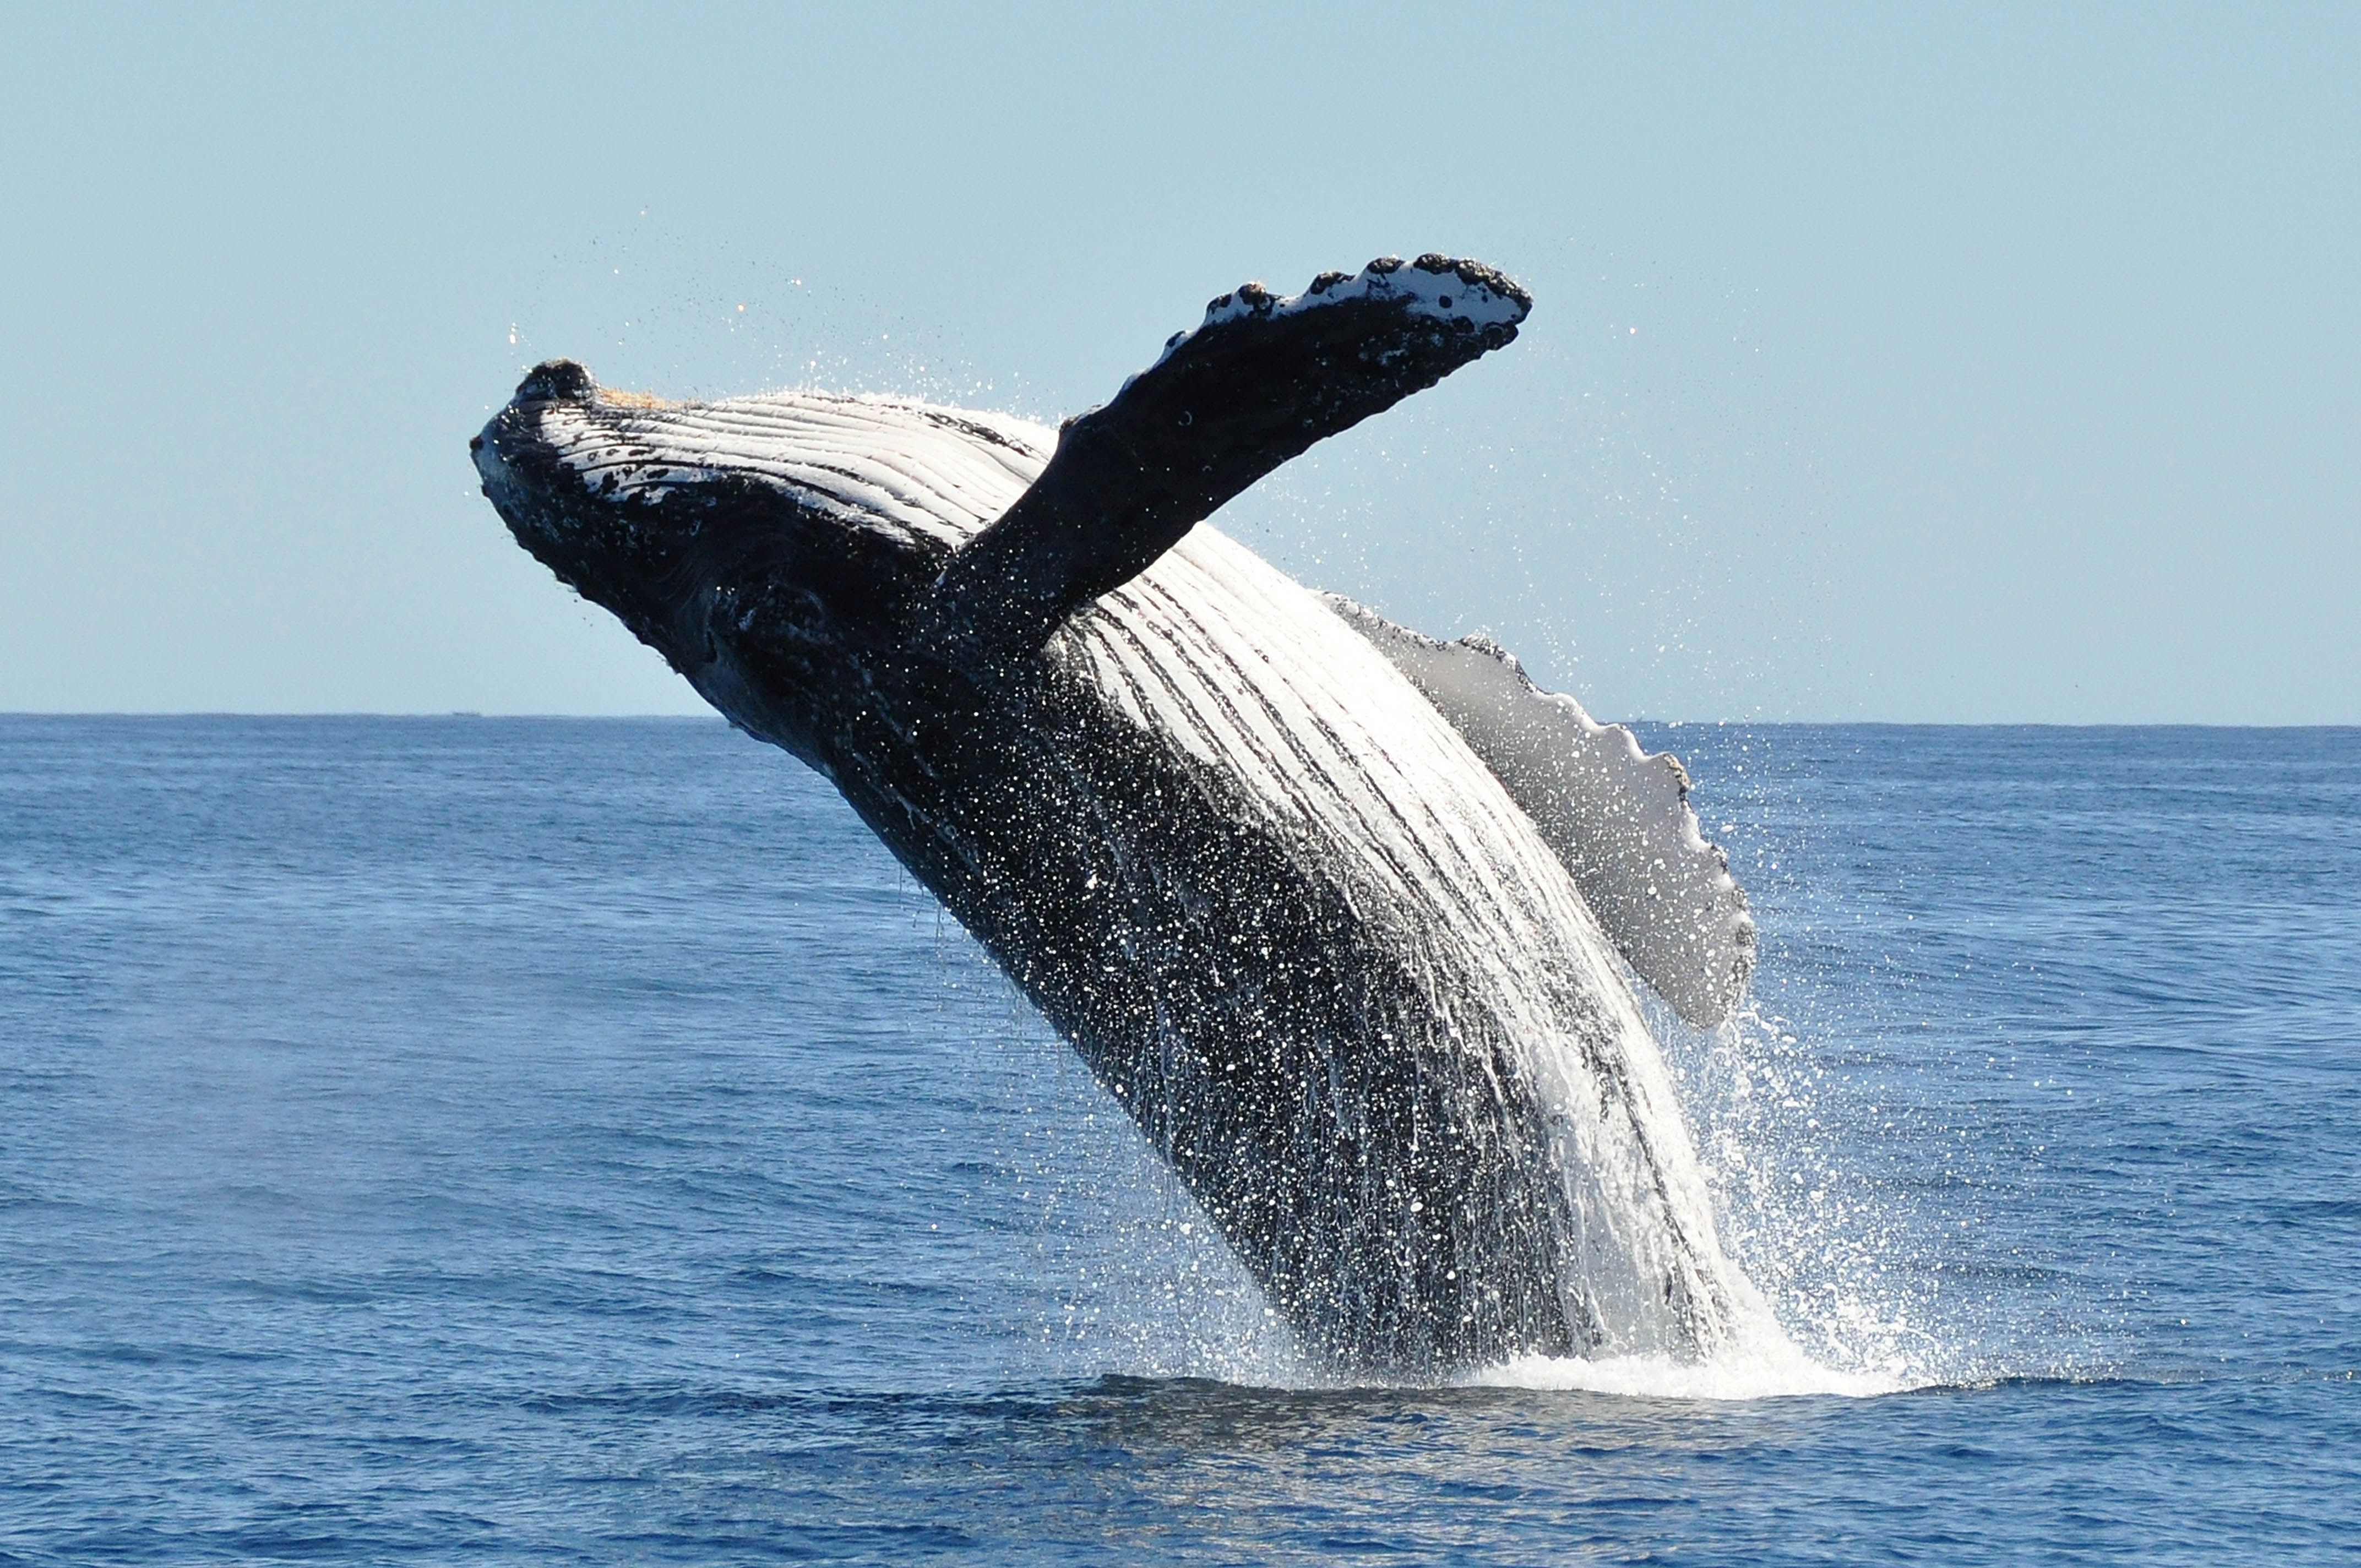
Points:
484	1141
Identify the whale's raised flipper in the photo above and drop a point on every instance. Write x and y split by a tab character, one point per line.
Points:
1259	381
1616	817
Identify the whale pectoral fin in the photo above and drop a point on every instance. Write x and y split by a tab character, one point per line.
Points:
1616	817
1257	383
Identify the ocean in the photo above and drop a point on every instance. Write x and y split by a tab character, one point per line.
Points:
545	1141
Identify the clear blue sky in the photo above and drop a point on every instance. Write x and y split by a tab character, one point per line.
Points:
1974	362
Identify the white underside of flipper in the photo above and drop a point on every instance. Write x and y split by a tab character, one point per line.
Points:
1618	817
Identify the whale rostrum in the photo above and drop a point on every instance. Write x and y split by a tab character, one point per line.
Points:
1339	914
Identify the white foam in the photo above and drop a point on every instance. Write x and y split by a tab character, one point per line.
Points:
1772	1376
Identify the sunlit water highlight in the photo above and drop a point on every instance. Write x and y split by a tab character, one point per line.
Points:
515	1141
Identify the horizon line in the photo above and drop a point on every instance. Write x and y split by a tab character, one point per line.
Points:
430	715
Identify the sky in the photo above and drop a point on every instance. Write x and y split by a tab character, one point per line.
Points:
1995	364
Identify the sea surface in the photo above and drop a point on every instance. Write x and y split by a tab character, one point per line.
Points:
484	1141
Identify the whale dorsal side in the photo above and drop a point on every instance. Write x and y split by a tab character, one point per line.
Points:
1259	382
1616	817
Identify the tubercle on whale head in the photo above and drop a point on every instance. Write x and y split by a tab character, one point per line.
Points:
557	380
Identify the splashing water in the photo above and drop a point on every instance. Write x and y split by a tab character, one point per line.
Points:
1257	681
1138	1279
1323	953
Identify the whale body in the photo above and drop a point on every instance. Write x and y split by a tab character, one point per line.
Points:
1337	913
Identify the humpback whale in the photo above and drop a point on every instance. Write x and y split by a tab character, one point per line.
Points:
1347	919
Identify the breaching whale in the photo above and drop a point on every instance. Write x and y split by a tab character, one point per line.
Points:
1339	914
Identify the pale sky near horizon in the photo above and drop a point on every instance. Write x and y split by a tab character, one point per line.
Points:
1968	364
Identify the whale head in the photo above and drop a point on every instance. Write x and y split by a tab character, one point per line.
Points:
704	544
